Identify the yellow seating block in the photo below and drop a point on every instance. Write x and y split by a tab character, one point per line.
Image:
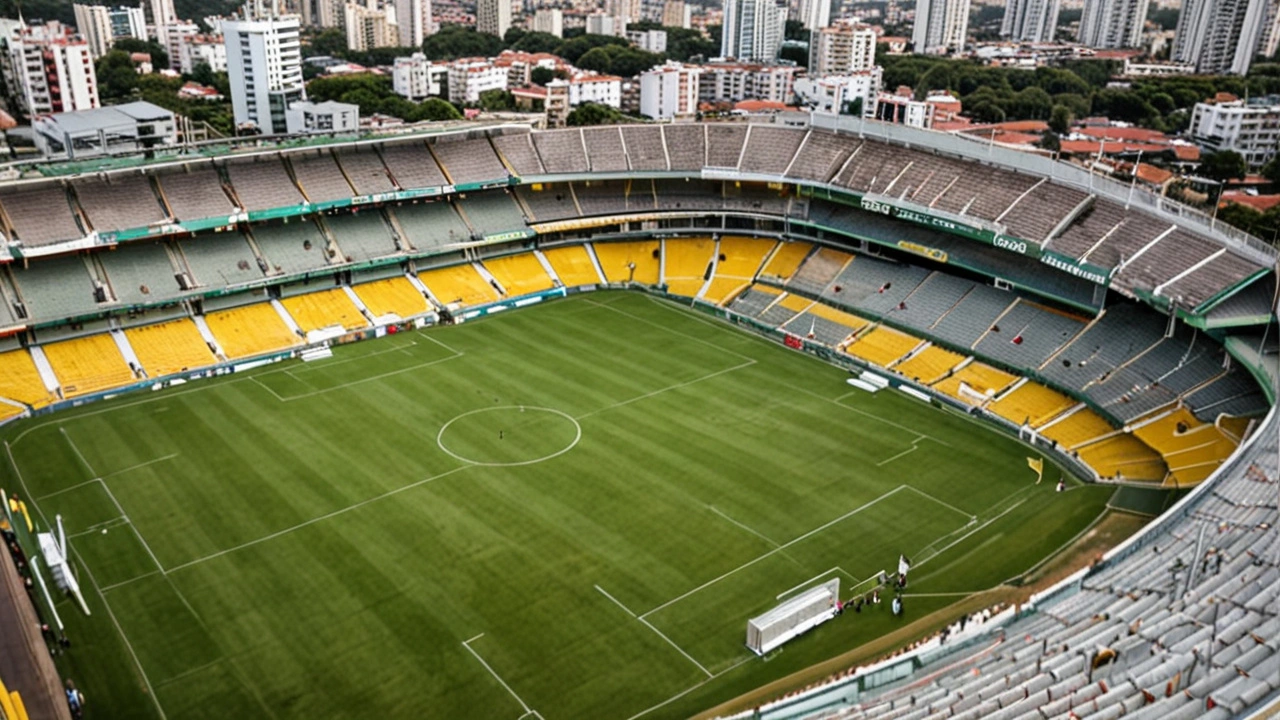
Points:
573	265
882	346
983	378
19	379
170	347
458	284
1033	403
324	309
7	411
1078	428
519	274
616	257
686	286
724	289
251	330
394	295
688	258
88	365
741	256
796	303
929	365
1192	449
849	320
786	260
1124	456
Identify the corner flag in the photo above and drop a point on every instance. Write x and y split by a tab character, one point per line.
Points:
1037	464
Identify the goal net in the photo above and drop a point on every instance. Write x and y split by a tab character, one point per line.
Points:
793	617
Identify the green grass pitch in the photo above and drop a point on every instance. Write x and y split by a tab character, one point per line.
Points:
569	511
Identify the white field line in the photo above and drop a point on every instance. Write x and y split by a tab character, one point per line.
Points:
904	453
139	466
688	690
615	600
967	535
836	569
79	454
353	383
189	673
687	336
649	625
317	519
77	486
915	433
130	581
467	644
677	386
760	535
312	367
942	503
779	548
99	527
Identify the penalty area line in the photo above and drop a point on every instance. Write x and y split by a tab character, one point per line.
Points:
660	634
467	644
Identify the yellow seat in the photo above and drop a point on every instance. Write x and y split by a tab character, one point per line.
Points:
849	320
882	346
1031	403
572	265
1124	456
616	259
796	303
685	286
88	365
251	330
519	274
978	377
928	365
786	260
9	411
1192	449
393	296
20	381
1078	428
687	259
458	284
170	347
741	256
323	309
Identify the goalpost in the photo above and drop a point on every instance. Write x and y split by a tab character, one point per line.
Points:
794	617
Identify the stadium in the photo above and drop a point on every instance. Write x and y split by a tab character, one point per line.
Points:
624	390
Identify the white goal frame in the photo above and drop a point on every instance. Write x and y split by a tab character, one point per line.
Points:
794	617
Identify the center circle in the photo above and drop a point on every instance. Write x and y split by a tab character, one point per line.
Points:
509	435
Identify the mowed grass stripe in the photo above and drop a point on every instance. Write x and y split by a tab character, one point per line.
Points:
321	596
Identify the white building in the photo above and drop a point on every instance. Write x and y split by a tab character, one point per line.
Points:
305	117
852	94
589	88
941	26
654	41
493	17
675	13
197	50
101	26
162	13
413	20
601	24
1219	36
1250	128
50	71
550	21
1270	40
841	49
416	78
734	82
119	128
264	65
468	78
1108	24
1032	21
171	36
815	14
669	91
367	29
753	29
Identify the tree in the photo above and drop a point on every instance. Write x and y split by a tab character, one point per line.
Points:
598	59
1060	119
455	41
203	74
497	100
159	56
592	114
1050	142
573	49
541	75
116	77
798	54
330	41
537	42
1223	166
436	109
1271	171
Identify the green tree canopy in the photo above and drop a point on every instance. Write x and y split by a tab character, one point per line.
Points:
1223	166
159	56
455	41
593	114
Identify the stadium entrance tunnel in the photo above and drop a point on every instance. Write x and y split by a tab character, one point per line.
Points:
509	435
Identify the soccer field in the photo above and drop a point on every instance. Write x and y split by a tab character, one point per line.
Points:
566	511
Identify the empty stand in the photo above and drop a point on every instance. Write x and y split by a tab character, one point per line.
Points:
821	156
411	166
263	185
321	179
519	274
1192	449
195	194
88	365
753	300
612	197
629	261
736	266
687	264
518	152
140	273
1032	404
770	149
221	260
251	330
170	347
1123	457
686	146
784	263
725	144
493	213
460	284
973	315
292	247
20	380
431	225
548	201
1027	334
645	149
392	296
785	308
326	308
119	202
929	365
826	324
977	380
365	170
819	269
56	288
561	151
469	161
363	235
1077	428
572	265
40	216
604	149
1041	210
882	346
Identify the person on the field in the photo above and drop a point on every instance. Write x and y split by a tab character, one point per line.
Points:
75	700
1062	484
897	605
